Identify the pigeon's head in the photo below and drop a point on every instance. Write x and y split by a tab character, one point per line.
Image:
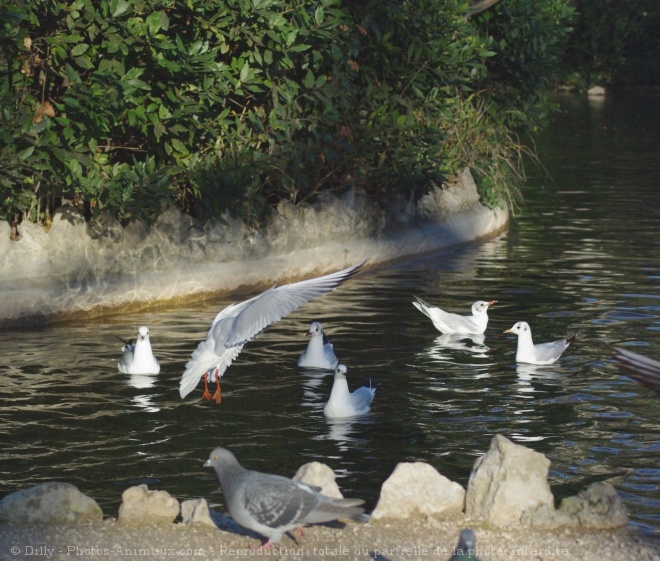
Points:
143	333
315	329
467	540
341	370
481	307
221	458
519	328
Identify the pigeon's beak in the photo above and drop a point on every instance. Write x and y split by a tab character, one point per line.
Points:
308	334
207	464
491	303
508	331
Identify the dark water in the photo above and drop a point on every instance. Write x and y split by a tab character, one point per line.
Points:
583	255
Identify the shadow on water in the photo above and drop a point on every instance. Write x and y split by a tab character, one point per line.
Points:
583	256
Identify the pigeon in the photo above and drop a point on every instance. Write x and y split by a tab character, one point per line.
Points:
639	367
449	323
343	403
138	358
543	353
271	505
239	323
466	547
319	353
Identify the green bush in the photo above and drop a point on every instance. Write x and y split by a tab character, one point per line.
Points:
127	106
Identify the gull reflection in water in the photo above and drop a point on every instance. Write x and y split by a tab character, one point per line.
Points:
346	431
141	382
313	387
473	344
527	373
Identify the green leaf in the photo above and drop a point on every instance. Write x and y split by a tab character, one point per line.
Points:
79	49
309	80
25	154
119	7
154	23
245	71
318	15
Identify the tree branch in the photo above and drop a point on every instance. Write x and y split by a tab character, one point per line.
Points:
479	6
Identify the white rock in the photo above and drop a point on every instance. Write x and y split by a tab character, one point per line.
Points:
141	506
598	506
51	502
319	475
196	511
418	488
595	91
508	481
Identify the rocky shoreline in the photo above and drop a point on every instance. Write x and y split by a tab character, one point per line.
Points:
419	515
79	268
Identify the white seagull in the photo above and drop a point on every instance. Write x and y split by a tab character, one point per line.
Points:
343	403
138	358
639	367
543	353
239	323
449	323
320	352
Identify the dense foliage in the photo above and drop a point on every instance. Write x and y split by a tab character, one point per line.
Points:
613	43
215	104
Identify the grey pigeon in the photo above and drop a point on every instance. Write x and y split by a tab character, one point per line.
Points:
271	505
466	548
542	353
239	323
639	367
450	324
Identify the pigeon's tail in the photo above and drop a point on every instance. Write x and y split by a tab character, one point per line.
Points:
333	509
570	339
639	367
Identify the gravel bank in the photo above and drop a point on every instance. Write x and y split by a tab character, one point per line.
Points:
409	540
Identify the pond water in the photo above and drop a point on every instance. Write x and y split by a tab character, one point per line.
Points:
582	255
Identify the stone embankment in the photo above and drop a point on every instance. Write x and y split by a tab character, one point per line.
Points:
81	268
419	514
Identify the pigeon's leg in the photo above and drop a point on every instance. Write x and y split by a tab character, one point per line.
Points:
206	394
266	545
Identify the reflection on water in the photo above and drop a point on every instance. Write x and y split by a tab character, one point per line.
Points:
583	256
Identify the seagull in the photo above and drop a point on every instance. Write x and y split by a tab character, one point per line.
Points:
239	323
449	323
343	403
271	505
138	358
543	353
642	368
319	353
466	547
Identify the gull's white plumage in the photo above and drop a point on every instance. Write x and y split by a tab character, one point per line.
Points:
239	323
320	352
449	323
138	358
541	353
342	402
271	505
